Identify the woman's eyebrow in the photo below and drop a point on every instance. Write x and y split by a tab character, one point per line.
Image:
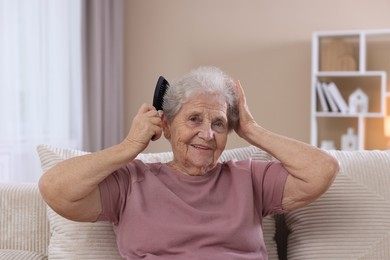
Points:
220	118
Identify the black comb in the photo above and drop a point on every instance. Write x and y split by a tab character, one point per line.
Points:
161	87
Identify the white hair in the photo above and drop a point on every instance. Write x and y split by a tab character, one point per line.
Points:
203	80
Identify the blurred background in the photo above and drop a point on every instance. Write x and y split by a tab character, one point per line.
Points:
265	44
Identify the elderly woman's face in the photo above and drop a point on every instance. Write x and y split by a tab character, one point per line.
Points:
198	134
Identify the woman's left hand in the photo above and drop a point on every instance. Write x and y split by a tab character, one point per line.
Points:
246	123
311	170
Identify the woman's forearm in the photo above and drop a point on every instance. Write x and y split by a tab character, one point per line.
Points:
298	157
75	178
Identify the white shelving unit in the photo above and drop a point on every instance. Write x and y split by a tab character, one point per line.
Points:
372	65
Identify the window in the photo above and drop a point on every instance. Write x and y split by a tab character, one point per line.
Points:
40	82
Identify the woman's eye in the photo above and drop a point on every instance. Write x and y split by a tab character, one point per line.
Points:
219	125
194	119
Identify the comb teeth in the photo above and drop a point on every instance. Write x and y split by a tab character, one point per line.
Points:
161	88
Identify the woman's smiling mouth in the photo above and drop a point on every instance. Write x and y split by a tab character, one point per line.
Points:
201	147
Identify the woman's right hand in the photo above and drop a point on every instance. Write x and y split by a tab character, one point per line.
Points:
146	125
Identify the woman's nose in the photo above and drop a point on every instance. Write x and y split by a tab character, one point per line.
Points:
206	132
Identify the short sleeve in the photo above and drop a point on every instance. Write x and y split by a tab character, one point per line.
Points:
113	193
269	182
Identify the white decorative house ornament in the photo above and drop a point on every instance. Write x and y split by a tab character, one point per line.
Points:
349	141
358	102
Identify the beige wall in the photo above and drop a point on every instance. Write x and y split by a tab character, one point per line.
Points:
263	43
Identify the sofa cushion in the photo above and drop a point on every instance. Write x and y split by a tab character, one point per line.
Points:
10	254
23	220
72	240
352	219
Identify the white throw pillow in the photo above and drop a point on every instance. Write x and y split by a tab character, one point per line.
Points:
352	219
78	240
70	239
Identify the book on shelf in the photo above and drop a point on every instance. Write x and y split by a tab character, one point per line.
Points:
329	97
338	98
321	97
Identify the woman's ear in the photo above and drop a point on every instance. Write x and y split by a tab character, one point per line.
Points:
165	127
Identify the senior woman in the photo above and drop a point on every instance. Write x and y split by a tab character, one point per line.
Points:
192	207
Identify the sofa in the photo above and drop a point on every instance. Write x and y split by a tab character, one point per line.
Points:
350	221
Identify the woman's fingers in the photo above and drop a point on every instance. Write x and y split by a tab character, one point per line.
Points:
146	125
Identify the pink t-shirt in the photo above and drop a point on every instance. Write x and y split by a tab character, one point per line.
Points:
159	213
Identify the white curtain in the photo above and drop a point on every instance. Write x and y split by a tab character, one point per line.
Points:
40	82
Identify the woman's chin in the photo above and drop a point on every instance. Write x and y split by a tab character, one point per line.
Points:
201	167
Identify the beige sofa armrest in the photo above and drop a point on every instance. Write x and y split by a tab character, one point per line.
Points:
23	218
